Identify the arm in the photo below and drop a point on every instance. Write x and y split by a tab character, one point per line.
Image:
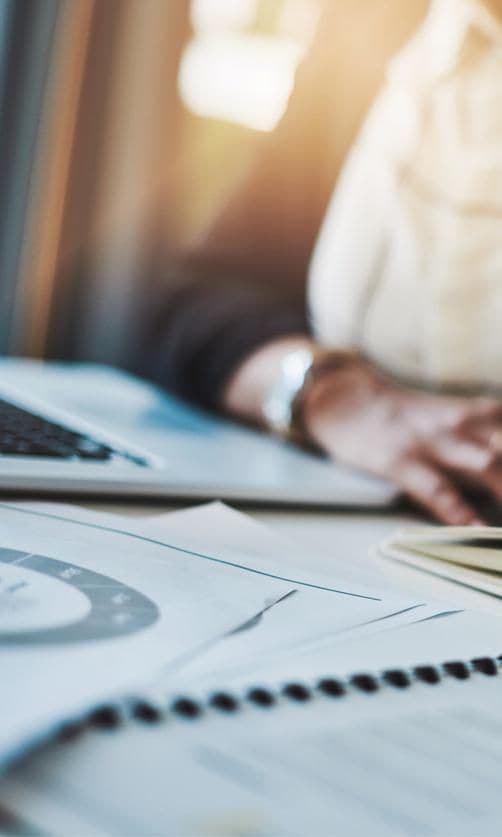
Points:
430	445
425	443
245	284
237	307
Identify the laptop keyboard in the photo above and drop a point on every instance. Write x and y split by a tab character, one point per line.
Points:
23	433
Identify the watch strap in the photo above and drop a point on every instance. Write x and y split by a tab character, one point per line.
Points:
300	370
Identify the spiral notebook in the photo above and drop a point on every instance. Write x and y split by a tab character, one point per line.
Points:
151	707
401	751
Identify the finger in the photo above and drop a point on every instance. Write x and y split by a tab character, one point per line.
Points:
435	492
492	478
463	456
475	418
487	409
476	463
481	420
481	432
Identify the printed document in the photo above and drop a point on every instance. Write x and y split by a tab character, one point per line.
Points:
95	605
326	612
88	610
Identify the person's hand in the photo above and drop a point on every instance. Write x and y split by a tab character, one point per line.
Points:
427	444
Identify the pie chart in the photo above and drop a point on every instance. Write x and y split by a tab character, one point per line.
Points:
48	601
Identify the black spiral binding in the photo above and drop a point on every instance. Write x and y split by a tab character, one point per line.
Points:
149	711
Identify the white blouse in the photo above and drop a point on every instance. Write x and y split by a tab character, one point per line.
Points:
408	264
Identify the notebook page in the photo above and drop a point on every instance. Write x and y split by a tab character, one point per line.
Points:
422	761
460	636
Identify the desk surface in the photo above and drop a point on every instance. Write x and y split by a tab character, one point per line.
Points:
344	542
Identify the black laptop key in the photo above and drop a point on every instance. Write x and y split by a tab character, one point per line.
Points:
38	450
25	434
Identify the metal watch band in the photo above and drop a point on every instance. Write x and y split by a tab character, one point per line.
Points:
282	410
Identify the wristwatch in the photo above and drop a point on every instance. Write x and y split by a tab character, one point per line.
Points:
300	369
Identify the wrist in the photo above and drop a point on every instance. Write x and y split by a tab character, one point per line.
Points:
341	392
250	385
300	372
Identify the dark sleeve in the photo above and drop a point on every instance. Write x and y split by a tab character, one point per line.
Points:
245	284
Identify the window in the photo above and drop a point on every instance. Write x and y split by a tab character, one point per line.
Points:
239	66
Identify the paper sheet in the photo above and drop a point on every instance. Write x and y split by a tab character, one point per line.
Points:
87	610
326	611
463	635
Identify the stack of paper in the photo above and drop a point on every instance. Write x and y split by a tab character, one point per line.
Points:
94	606
89	609
325	615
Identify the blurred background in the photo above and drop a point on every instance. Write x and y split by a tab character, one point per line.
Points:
125	126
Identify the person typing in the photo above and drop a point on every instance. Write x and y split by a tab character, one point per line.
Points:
378	199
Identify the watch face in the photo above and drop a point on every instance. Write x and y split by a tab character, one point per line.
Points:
44	600
278	409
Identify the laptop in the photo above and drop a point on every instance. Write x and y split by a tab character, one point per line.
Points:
89	430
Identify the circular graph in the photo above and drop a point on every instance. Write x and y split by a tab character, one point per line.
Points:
44	600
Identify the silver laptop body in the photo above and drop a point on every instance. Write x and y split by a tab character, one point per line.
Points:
93	430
